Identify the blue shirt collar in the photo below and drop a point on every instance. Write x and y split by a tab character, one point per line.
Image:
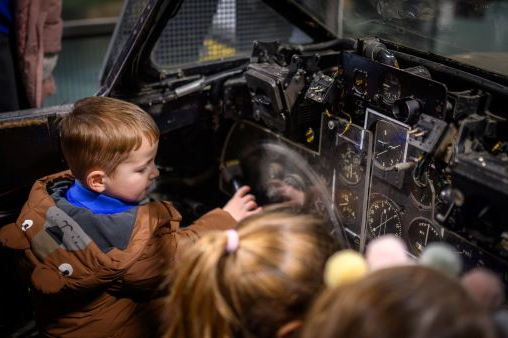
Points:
82	197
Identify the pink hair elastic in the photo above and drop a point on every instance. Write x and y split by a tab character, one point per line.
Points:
233	240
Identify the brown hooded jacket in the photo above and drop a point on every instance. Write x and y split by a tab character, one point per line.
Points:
80	291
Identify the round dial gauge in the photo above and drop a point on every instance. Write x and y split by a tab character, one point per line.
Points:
421	232
422	195
360	82
350	168
390	144
390	89
384	217
421	191
347	205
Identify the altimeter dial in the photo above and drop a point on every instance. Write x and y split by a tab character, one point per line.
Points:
384	217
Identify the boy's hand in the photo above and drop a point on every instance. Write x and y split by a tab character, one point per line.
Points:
242	204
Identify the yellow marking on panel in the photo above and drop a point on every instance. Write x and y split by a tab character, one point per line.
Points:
217	50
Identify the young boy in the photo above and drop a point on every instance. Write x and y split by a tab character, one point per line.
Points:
93	253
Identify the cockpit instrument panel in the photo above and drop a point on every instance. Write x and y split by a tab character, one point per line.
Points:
400	147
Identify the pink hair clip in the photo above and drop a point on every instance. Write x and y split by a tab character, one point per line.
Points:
233	240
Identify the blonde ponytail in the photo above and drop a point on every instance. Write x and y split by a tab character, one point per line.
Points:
201	268
268	279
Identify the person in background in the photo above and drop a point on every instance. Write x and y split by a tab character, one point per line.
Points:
93	250
255	281
8	80
399	302
30	40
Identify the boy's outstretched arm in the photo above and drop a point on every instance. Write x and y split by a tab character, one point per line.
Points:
242	204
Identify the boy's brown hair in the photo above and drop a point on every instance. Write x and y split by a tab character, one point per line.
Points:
268	281
404	301
99	133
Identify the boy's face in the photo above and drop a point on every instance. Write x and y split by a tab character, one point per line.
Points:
133	178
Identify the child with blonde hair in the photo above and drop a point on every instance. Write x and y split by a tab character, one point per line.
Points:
255	281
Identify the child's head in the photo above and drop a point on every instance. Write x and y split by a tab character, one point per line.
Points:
258	284
404	301
110	146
